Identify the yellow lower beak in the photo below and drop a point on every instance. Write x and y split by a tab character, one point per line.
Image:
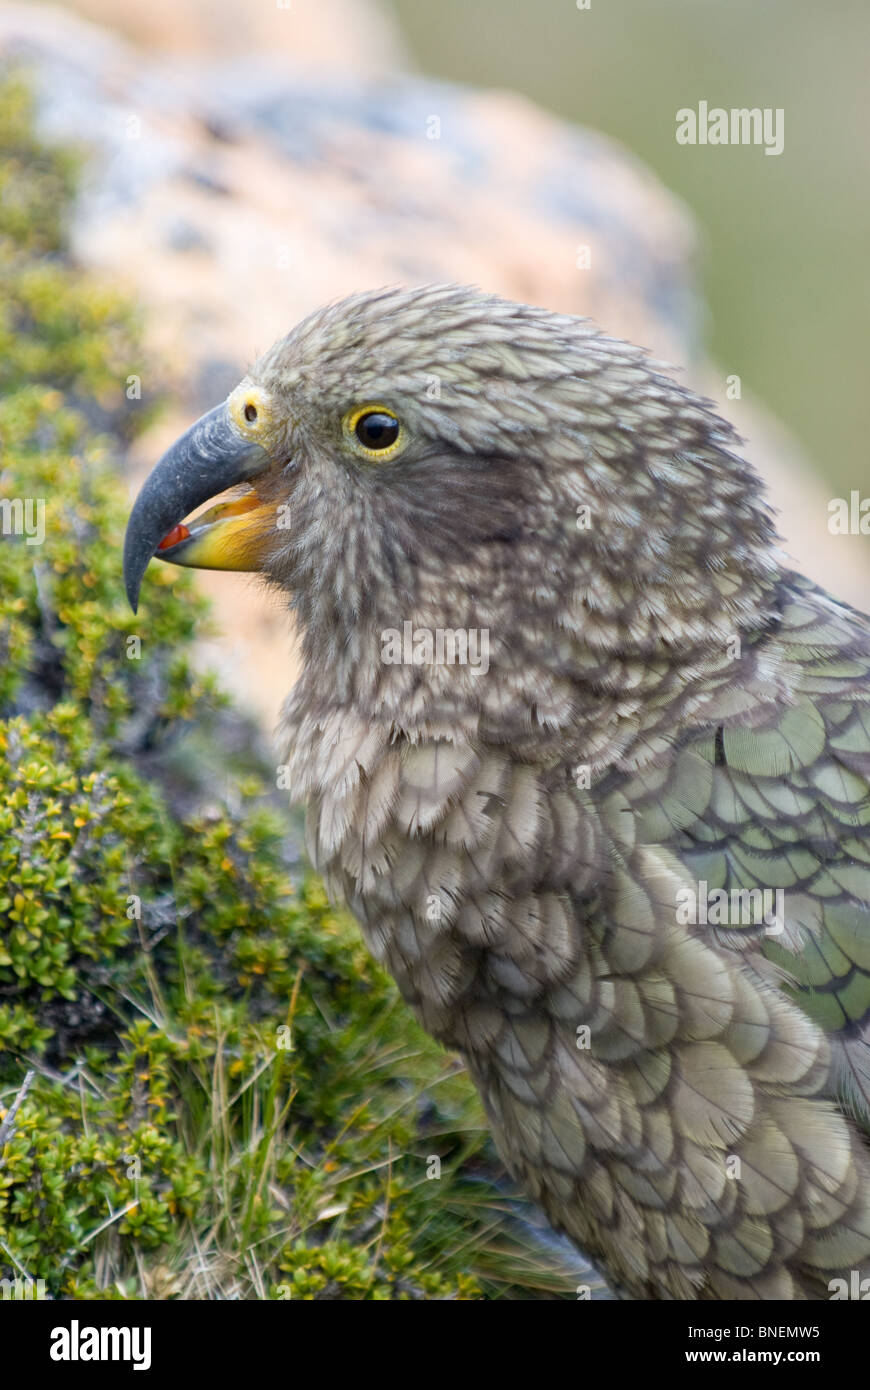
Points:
233	535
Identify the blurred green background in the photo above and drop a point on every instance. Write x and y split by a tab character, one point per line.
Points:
785	240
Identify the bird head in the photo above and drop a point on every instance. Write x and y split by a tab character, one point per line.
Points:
448	458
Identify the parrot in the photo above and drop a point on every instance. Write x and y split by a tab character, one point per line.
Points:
588	762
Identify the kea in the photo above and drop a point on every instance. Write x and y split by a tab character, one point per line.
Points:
588	762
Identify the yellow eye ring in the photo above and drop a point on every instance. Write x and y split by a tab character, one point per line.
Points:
374	431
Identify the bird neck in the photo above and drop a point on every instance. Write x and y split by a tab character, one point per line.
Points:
586	661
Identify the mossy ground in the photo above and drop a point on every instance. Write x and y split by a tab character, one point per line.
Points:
229	1098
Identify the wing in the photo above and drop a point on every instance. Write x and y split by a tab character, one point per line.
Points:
772	822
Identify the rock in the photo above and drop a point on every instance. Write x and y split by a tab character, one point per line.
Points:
339	34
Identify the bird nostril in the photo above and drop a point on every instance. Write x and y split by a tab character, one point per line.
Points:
250	412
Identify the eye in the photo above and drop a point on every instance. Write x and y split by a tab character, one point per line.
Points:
374	431
377	430
250	411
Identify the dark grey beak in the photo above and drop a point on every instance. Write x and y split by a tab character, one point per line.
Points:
208	458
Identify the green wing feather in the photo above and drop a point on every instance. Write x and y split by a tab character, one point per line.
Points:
786	805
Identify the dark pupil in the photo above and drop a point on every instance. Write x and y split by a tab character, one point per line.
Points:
377	431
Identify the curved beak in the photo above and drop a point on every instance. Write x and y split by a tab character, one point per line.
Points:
210	457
